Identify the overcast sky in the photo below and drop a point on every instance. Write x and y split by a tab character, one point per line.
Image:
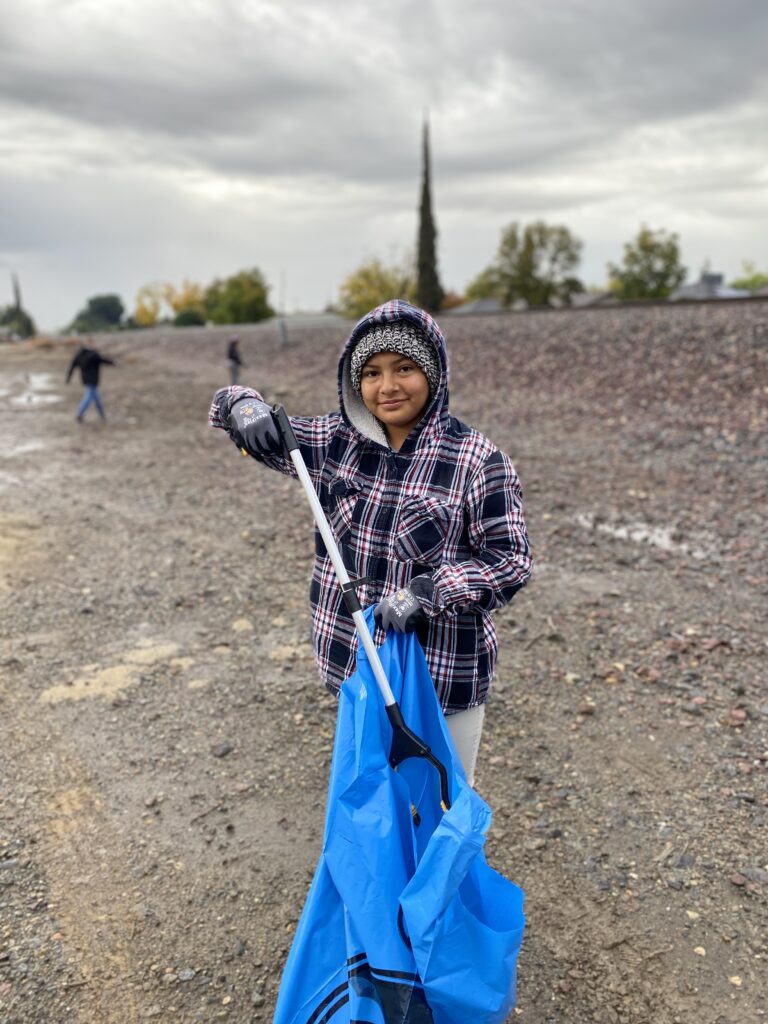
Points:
159	140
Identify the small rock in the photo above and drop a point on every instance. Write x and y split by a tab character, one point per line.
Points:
186	974
755	875
737	717
735	980
700	951
691	709
223	749
257	999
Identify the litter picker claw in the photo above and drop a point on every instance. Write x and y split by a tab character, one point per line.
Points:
405	743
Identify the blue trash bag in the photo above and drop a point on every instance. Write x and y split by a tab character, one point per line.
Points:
405	921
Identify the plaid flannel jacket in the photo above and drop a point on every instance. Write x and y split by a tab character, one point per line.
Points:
447	505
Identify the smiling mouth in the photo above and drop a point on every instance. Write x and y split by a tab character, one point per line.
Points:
393	404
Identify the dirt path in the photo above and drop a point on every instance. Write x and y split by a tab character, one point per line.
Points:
164	741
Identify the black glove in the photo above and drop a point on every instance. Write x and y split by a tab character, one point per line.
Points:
401	610
252	427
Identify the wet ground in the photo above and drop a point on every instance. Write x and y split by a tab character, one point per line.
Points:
164	740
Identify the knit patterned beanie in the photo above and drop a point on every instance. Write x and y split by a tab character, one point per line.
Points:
402	338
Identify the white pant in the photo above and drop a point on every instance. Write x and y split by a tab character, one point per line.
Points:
466	729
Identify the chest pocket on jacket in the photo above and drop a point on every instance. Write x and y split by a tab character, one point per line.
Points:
422	530
343	498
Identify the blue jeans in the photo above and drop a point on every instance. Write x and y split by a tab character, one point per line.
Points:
91	395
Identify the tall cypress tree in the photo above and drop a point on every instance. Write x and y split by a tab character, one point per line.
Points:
429	293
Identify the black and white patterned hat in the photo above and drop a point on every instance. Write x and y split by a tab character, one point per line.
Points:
400	337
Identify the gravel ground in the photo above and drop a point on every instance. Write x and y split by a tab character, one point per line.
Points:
165	741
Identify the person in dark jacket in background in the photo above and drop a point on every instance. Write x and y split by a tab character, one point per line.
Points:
89	362
234	359
428	512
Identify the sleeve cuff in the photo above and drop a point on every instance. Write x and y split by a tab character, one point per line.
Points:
423	589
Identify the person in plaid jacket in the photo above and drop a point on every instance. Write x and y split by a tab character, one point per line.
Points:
426	510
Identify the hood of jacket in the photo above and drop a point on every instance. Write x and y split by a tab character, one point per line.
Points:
352	406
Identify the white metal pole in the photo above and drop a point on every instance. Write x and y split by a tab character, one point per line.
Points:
341	571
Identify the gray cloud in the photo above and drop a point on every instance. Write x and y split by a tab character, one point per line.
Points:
143	122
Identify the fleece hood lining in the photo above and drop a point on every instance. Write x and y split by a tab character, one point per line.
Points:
359	416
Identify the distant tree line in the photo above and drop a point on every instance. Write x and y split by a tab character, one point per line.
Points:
241	298
535	265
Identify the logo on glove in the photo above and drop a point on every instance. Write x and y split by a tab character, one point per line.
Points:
403	601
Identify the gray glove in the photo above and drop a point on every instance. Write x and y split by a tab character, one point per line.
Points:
252	427
402	611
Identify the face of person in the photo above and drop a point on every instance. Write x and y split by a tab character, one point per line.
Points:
396	391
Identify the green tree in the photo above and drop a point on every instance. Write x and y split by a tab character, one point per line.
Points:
534	263
485	286
429	293
101	313
651	268
752	279
370	285
191	317
240	299
17	320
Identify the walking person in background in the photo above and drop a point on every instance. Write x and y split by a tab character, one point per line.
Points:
427	511
89	362
234	359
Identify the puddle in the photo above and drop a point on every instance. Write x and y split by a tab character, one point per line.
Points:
663	537
13	445
22	391
10	447
8	480
30	389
